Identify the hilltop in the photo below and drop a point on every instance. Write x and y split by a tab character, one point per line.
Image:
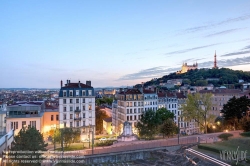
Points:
202	77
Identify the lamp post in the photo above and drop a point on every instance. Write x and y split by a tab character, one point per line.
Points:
178	130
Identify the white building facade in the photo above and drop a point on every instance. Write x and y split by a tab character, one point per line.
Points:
150	100
77	107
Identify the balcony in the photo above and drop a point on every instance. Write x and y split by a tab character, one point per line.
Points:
77	110
79	118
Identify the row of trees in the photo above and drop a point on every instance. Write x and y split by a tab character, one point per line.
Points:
236	113
65	135
155	122
104	100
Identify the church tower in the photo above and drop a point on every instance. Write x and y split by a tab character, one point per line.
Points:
215	61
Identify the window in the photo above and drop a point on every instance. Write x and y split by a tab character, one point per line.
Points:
57	117
83	108
70	100
64	124
70	93
64	109
89	114
127	111
23	123
83	100
77	93
134	97
71	116
71	124
64	116
135	117
71	108
90	107
127	118
131	111
135	110
64	93
139	110
77	124
134	103
33	124
83	123
77	108
131	118
15	125
90	92
52	117
83	93
83	115
64	101
77	100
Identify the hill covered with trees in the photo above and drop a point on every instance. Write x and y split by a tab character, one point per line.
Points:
199	77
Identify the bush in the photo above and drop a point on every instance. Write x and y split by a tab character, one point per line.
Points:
105	143
225	136
245	134
208	148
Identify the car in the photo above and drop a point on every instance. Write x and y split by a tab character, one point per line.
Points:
85	140
112	138
103	139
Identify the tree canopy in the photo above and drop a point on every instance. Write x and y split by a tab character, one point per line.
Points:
151	123
100	115
197	108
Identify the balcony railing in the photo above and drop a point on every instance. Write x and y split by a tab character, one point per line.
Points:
77	118
77	110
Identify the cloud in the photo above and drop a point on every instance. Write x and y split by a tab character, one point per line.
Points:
191	49
246	50
160	71
204	27
154	72
236	53
223	32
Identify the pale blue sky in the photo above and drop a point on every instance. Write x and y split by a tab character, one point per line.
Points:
114	43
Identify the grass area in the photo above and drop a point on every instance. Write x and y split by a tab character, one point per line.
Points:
231	144
75	146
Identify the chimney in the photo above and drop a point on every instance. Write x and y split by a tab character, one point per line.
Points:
61	83
88	83
79	84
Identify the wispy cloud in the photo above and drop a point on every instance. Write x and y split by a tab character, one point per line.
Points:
223	32
244	50
205	27
154	72
190	49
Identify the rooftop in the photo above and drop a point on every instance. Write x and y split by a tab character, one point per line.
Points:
131	91
76	85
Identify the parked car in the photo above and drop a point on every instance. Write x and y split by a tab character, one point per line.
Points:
103	139
85	140
112	138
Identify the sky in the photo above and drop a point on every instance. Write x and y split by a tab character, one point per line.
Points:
117	43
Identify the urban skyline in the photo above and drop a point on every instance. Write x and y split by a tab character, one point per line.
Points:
117	43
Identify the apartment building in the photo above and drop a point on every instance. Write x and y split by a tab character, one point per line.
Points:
130	106
115	118
162	99
220	97
3	108
23	114
150	100
77	107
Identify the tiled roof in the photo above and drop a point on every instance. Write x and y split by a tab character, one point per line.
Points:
218	91
170	94
180	95
108	119
131	91
148	91
76	85
161	94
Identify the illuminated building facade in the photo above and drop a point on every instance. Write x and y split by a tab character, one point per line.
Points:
77	107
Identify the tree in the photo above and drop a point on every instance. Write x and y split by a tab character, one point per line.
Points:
197	108
168	128
67	135
235	109
164	115
29	139
148	124
100	115
245	123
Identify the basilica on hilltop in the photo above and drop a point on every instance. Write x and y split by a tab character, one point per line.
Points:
185	67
